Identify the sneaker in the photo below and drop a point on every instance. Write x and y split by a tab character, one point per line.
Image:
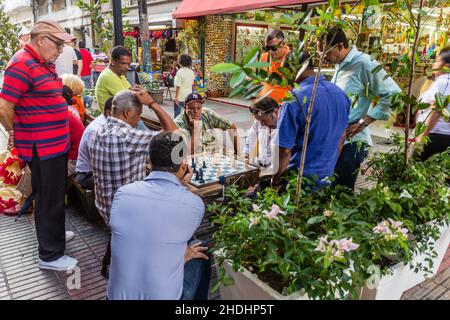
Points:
64	263
69	235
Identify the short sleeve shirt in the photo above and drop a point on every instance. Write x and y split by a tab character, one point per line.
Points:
41	113
210	120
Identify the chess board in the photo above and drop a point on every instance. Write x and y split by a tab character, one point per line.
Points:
217	166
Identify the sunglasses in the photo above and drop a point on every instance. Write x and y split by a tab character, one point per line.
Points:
273	48
259	113
59	44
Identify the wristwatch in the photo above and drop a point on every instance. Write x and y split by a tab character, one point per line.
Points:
362	122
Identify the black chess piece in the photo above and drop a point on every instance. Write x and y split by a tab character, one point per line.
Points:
201	176
197	176
194	168
204	164
193	162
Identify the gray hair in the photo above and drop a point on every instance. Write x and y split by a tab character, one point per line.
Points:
125	100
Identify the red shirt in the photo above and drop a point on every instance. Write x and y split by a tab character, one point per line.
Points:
76	132
41	114
87	59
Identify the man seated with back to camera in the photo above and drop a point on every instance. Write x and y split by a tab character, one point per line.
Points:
83	167
152	223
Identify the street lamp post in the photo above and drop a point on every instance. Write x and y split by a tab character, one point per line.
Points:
145	35
118	25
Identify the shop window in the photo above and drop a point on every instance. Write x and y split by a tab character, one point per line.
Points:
58	5
250	36
42	7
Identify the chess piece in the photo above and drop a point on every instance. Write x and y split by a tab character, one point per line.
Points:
197	176
193	163
204	164
194	168
233	161
218	172
201	176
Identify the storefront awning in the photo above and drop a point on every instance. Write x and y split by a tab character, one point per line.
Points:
197	8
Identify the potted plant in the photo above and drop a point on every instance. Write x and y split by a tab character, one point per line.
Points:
328	244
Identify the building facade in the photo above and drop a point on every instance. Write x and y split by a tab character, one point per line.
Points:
77	22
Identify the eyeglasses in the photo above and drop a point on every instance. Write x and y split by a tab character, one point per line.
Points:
259	113
59	45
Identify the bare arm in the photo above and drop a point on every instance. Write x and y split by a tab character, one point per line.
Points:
164	118
80	67
285	156
430	122
234	137
7	119
177	93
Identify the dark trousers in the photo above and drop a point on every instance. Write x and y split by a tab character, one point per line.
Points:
348	164
197	273
48	180
438	143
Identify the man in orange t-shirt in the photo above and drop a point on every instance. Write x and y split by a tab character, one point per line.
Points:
277	52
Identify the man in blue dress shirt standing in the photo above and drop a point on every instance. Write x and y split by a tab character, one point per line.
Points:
355	74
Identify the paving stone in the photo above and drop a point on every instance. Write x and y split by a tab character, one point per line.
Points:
436	293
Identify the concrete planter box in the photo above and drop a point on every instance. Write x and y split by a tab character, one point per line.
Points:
391	287
247	286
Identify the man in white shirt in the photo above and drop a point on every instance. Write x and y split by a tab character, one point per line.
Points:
83	168
66	60
258	143
183	82
438	129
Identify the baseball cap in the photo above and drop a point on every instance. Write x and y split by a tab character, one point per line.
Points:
47	26
193	97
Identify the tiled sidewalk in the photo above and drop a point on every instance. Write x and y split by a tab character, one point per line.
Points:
20	277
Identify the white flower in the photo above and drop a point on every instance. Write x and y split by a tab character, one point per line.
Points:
348	245
328	213
406	194
382	227
322	244
273	213
255	207
253	221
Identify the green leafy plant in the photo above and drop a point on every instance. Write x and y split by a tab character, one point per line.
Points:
328	242
8	38
102	22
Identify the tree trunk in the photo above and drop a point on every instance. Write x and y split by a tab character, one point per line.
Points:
411	77
145	35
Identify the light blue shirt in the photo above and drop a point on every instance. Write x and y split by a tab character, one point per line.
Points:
151	223
83	161
354	75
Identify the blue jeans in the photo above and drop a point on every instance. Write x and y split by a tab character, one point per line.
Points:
197	273
87	82
177	108
95	75
87	102
348	164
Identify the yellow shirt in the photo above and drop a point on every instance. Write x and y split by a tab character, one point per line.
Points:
108	84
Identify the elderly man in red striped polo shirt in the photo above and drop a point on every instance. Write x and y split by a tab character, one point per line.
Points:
35	115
